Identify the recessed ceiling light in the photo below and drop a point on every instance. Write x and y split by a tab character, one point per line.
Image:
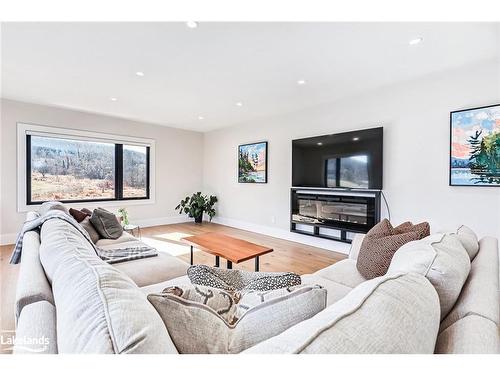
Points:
113	99
239	104
320	143
416	41
355	139
140	74
192	24
301	82
201	118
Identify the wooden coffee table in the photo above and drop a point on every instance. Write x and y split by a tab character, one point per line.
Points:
232	249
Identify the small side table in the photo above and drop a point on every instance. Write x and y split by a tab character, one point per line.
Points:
132	228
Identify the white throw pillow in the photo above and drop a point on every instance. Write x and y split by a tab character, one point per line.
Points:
202	320
442	259
469	240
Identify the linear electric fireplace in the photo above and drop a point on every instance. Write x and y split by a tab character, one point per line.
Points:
334	214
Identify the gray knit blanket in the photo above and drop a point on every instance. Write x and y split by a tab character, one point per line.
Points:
127	253
109	256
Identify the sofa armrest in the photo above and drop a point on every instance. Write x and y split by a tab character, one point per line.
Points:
36	329
32	284
355	246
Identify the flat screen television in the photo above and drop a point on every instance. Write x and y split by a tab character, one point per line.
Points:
351	160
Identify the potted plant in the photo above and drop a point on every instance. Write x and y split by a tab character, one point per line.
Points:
123	216
196	205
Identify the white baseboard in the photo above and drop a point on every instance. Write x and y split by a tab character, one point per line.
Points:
336	246
7	238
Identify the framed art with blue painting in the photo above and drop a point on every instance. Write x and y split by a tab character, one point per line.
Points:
475	146
252	163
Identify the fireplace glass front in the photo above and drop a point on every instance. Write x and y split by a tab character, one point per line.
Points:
336	211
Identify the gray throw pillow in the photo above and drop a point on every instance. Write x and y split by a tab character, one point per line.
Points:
87	225
241	280
206	320
106	223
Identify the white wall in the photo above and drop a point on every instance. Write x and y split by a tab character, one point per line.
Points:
178	160
415	117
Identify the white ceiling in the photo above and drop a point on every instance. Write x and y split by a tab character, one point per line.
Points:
205	71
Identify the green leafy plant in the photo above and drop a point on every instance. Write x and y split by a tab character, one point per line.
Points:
195	205
124	214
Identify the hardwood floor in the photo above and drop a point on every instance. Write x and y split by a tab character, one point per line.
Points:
287	256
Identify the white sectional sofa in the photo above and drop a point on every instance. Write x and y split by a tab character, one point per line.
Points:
84	305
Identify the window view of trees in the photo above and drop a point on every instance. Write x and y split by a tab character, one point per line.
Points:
134	171
63	169
68	169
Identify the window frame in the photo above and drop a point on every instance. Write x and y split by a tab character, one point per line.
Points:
25	131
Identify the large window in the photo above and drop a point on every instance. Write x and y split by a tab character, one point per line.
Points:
70	169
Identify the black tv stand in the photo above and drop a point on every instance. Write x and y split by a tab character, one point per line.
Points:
334	214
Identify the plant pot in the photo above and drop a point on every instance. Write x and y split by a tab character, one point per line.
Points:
198	219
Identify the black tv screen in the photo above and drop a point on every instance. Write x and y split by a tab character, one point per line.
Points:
351	160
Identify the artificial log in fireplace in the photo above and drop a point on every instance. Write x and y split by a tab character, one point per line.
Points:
334	214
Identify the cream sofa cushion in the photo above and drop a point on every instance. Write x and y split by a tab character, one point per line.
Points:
204	320
153	270
356	243
469	240
470	335
335	291
89	228
36	329
442	259
158	287
125	237
388	314
99	309
479	295
343	272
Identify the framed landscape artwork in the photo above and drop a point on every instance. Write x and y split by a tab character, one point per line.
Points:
252	163
475	147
